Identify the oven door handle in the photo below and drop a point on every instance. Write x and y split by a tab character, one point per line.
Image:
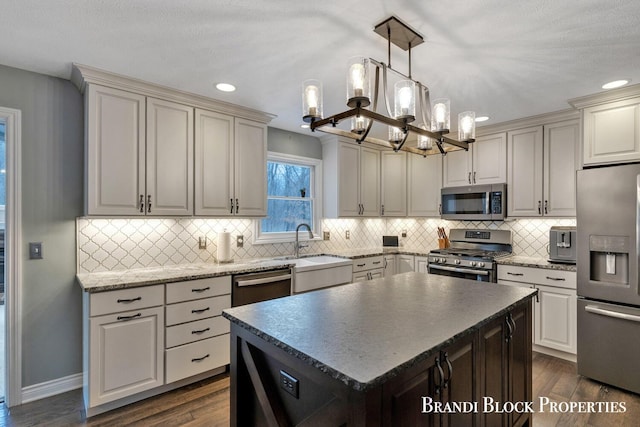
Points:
460	270
263	280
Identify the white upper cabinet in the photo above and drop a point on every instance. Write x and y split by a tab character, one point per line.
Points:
394	184
484	163
351	179
137	163
424	176
169	158
231	161
541	170
612	132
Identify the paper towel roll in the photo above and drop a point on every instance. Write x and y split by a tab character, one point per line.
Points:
224	246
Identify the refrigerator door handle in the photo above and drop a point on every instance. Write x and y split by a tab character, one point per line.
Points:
624	316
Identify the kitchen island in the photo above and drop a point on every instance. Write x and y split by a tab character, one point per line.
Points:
383	352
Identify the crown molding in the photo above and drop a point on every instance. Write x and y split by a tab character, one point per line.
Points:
611	95
81	75
541	119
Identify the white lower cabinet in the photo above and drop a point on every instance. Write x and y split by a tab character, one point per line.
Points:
555	308
389	265
420	264
146	338
405	263
368	268
124	352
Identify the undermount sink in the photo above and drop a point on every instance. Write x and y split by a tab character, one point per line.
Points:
321	271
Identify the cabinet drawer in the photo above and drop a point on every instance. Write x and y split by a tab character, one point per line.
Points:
197	310
196	289
126	299
196	331
195	358
368	263
538	276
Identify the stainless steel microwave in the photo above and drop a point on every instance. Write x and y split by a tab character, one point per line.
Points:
475	202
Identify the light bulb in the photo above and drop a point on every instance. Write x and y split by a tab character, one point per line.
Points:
466	123
311	95
404	96
357	78
440	110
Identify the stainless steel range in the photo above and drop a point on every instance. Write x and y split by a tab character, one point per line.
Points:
472	254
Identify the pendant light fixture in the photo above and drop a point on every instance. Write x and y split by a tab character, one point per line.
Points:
410	101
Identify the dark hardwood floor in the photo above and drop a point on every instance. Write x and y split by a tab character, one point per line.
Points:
207	404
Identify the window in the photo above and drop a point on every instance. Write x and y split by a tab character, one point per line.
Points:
293	197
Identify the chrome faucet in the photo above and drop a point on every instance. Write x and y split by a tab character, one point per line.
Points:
298	244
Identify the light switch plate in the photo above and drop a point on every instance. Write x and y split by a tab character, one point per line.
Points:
326	235
35	250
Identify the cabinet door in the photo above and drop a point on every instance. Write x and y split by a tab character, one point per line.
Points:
214	135
376	274
406	263
389	265
461	370
370	181
421	263
360	276
115	151
250	175
489	159
456	168
169	158
612	132
424	182
348	180
394	184
560	147
524	183
520	380
555	315
126	354
494	367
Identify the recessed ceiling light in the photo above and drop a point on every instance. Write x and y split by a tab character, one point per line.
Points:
304	126
615	84
482	118
225	87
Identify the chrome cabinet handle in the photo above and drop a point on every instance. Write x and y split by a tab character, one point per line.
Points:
558	279
129	317
128	300
546	206
200	311
199	359
141	203
149	204
231	202
539	207
200	289
474	177
237	207
201	331
469	178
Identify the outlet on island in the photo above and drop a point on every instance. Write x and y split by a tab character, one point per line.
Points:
289	384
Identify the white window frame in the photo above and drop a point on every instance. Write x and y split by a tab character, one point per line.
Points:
316	181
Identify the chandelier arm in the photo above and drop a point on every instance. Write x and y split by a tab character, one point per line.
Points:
425	105
335	119
396	149
374	106
384	84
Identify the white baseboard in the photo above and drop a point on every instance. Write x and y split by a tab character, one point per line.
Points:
51	388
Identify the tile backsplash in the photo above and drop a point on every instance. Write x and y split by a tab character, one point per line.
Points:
120	243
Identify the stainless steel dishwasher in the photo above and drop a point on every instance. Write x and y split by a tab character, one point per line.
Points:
255	287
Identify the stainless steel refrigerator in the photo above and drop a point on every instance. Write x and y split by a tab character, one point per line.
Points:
608	222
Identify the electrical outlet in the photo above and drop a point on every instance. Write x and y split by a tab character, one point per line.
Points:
404	233
239	241
347	234
289	384
202	242
326	235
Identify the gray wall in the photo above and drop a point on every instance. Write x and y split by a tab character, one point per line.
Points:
283	141
52	192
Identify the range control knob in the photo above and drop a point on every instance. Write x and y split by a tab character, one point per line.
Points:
442	260
457	261
481	264
473	263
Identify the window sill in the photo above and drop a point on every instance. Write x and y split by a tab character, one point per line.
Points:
288	238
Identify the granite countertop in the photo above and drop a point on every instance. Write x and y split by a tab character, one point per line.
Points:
365	333
380	250
537	262
111	280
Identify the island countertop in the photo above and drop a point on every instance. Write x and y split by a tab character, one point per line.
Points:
365	333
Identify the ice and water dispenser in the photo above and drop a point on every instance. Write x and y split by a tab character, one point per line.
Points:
609	259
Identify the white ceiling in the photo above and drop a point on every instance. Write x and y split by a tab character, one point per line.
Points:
504	58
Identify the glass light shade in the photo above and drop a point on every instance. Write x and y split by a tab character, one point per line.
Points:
396	135
358	85
424	142
359	124
405	100
467	126
311	100
441	115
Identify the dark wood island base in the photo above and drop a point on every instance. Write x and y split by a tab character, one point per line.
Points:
479	376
